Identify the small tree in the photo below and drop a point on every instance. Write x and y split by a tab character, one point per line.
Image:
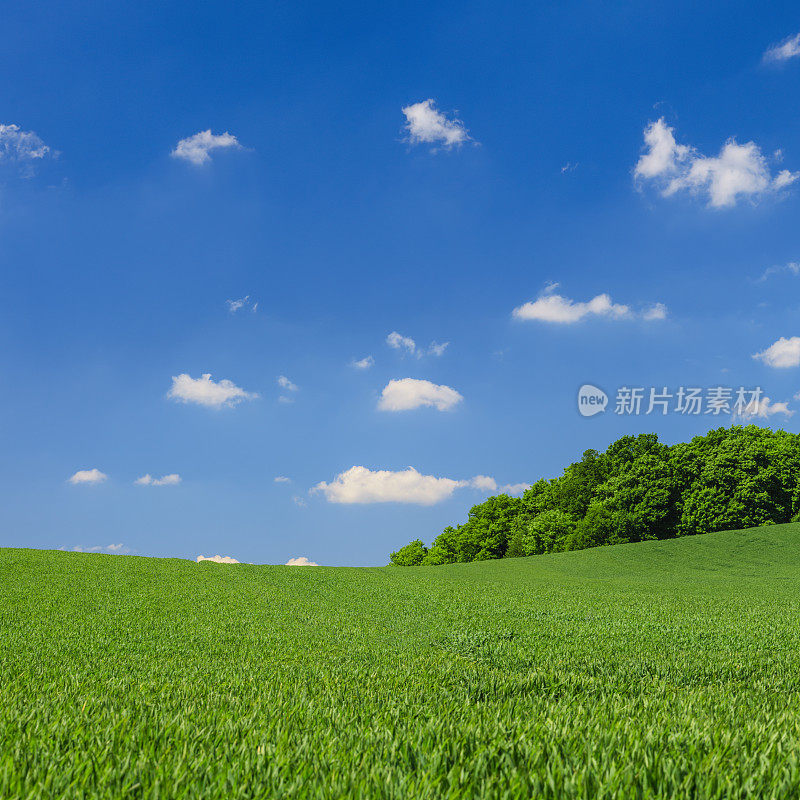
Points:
411	555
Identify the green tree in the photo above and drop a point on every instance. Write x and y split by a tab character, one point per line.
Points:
411	555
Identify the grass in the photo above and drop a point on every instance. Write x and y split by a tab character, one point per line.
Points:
662	669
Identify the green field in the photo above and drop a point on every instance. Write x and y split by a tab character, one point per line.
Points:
661	669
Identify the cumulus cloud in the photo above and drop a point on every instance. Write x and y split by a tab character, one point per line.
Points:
552	307
218	559
765	408
397	341
485	483
783	51
282	479
173	479
195	149
118	549
739	171
88	476
206	392
405	394
22	148
425	124
781	354
363	363
301	561
362	485
556	308
655	312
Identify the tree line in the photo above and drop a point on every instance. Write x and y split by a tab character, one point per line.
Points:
638	489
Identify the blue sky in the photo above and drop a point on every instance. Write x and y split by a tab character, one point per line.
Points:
641	158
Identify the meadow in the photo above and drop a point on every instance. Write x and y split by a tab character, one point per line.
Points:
658	669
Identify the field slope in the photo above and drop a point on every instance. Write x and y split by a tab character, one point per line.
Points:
663	669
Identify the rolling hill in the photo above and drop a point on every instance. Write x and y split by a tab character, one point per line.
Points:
659	669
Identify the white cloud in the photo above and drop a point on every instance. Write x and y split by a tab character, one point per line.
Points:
765	408
362	485
299	501
21	147
363	363
172	479
569	167
118	549
282	479
792	267
739	171
218	559
242	302
88	476
514	488
664	153
301	561
285	383
196	149
485	483
781	354
397	341
551	307
405	394
788	48
425	124
206	392
655	312
556	308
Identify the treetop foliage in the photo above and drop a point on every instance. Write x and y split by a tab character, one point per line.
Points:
639	488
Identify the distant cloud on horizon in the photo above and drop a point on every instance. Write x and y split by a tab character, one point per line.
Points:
301	561
218	559
361	485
